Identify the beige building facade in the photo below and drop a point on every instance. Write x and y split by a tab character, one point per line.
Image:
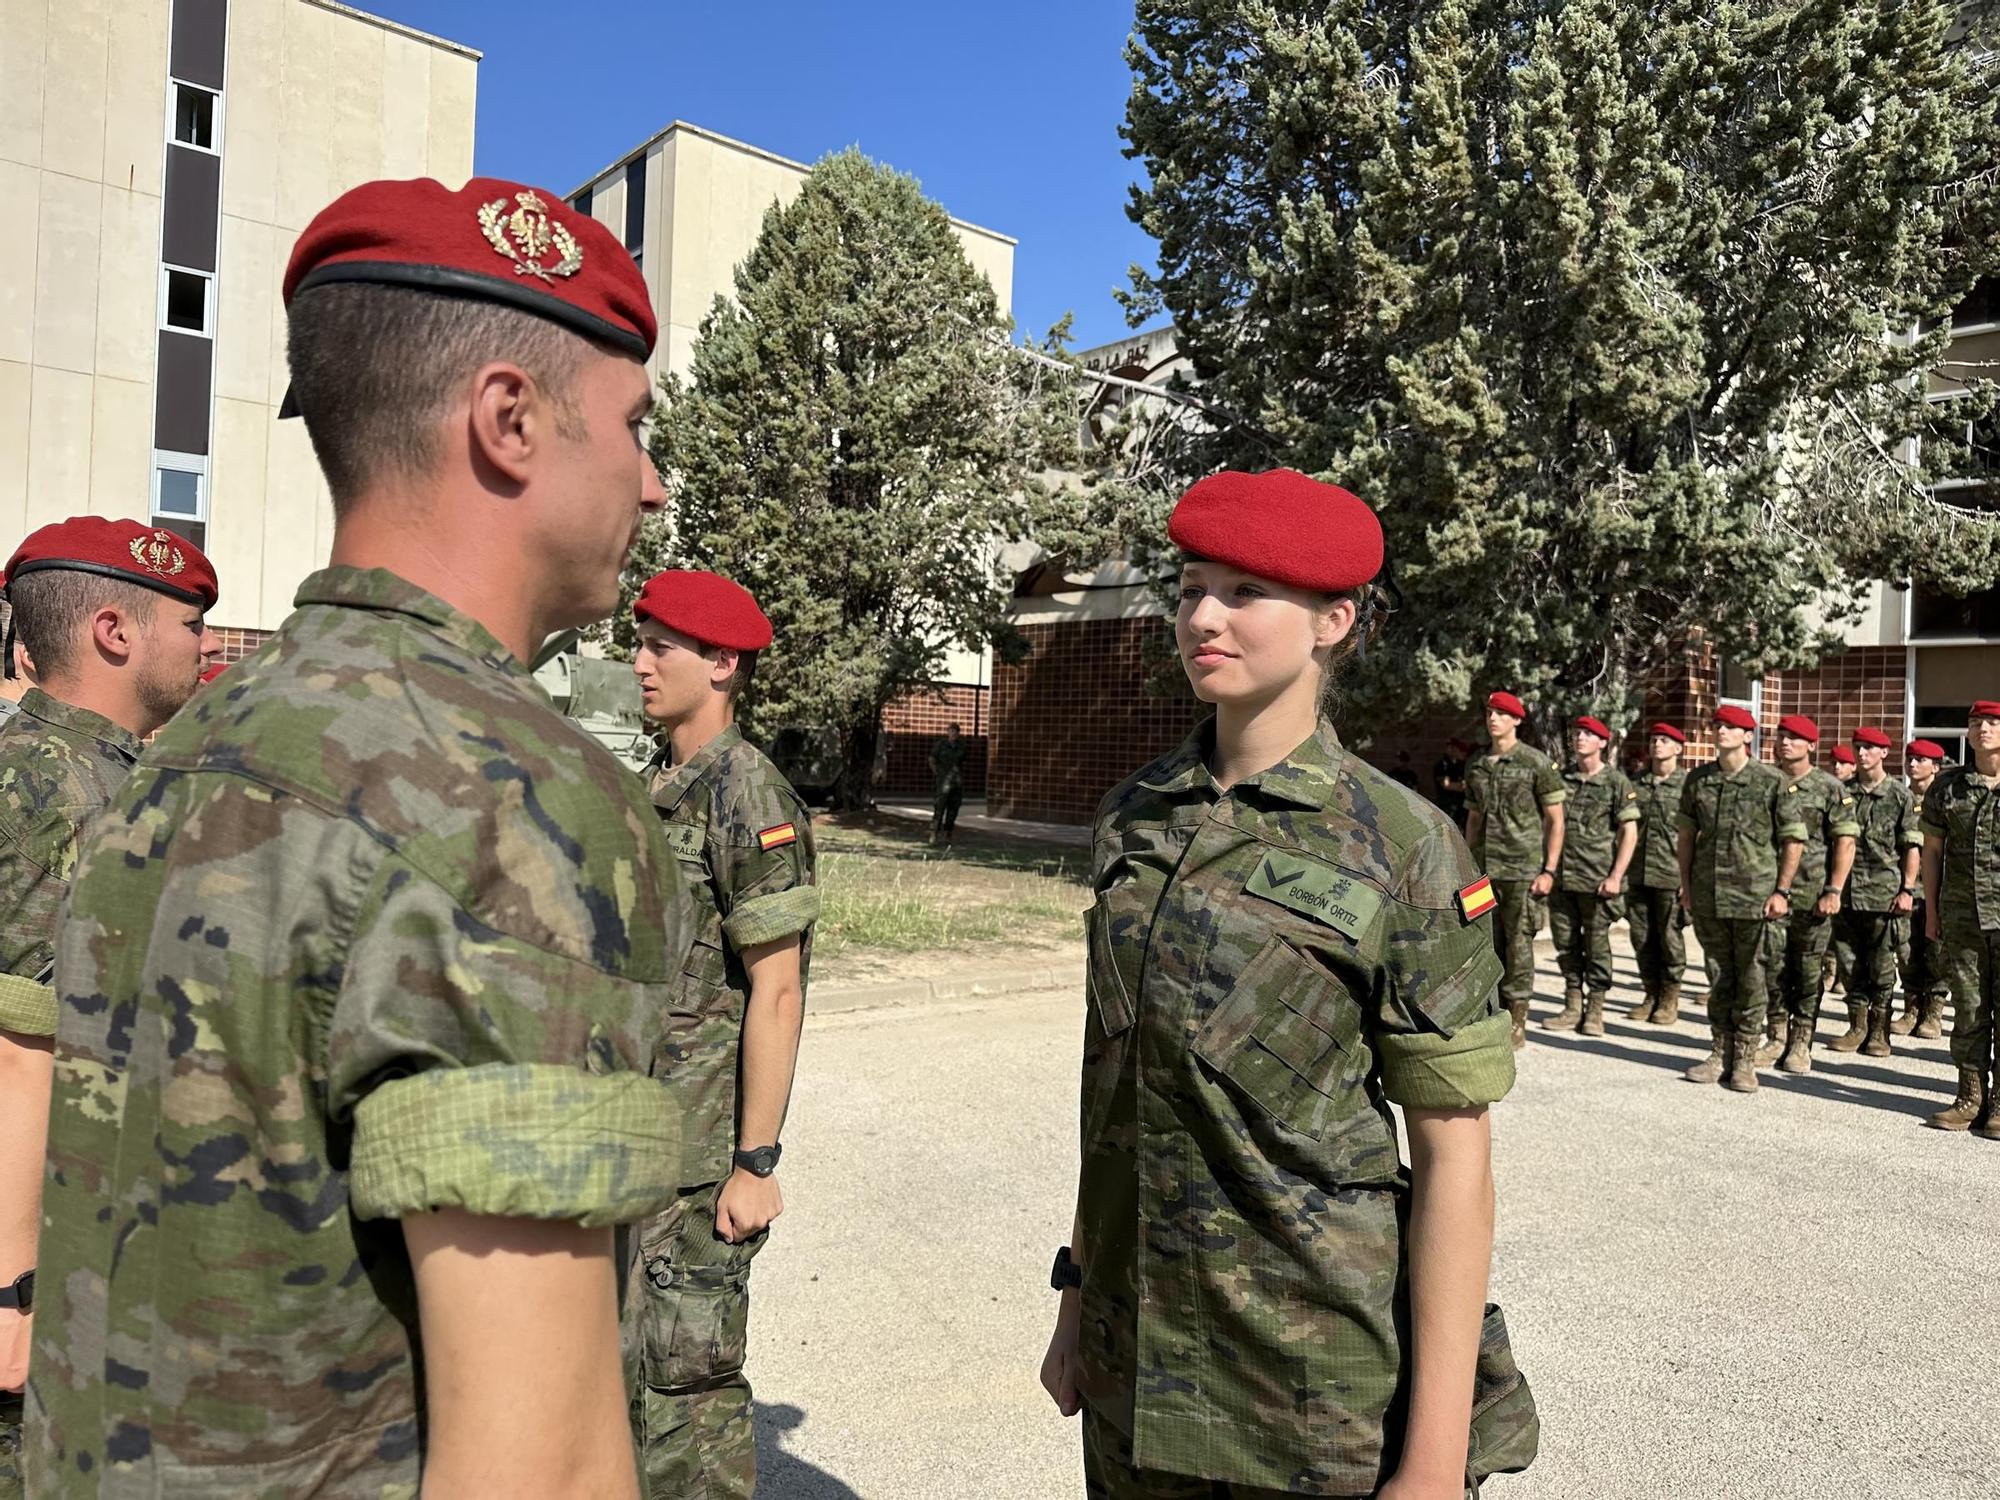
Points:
158	159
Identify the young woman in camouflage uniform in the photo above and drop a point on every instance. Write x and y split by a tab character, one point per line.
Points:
1260	1298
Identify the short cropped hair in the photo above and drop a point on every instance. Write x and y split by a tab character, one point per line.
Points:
52	606
746	668
375	367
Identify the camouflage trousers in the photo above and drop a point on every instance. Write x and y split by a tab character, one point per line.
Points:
1972	959
10	1445
690	1319
1580	922
1922	966
1738	952
1515	922
1659	937
1109	1473
1872	940
1798	954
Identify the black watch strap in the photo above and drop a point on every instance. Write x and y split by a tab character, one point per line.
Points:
1065	1273
20	1292
760	1162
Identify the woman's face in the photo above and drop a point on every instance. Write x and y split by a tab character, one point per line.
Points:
1247	640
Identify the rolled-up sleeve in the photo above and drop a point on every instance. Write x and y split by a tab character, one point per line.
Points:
26	1007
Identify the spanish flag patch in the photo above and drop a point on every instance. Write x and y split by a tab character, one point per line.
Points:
1477	899
777	838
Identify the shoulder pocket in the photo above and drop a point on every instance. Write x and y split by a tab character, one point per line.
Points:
1283	1035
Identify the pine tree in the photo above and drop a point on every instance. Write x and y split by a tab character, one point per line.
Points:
856	441
1610	308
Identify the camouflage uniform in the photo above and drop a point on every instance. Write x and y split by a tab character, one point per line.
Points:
1824	807
1653	899
1926	986
372	931
1963	811
1597	809
1739	822
1509	792
1886	820
742	837
948	788
1269	967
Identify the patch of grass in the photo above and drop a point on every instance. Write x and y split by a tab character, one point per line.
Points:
887	901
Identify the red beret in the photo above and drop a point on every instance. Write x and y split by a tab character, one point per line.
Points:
124	550
1842	754
1736	716
1595	726
1929	749
1799	727
1507	703
1985	708
491	239
209	674
1668	730
1281	525
1868	734
706	606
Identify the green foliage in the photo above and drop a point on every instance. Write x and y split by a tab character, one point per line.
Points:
1607	306
856	441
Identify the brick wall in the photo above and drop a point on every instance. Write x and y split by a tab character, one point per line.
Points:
1860	685
918	720
237	644
1074	718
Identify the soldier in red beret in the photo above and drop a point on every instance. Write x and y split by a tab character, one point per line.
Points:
1600	835
1961	872
744	839
1285	941
1880	893
1658	919
1514	823
1919	965
111	617
383	943
1801	939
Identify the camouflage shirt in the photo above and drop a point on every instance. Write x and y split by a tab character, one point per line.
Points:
1824	804
1657	864
1739	823
1886	817
1509	792
1962	810
1596	808
372	931
59	765
743	839
1269	967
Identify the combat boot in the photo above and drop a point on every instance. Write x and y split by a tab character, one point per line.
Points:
1593	1016
1711	1067
1668	1010
1988	1129
1572	1011
1906	1023
1643	1011
1851	1039
1776	1027
1877	1044
1930	1023
1798	1050
1742	1075
1518	1009
1966	1107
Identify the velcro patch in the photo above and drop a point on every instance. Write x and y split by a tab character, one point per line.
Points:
1316	889
1477	899
686	840
777	838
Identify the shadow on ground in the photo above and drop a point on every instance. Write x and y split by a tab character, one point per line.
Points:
887	837
784	1476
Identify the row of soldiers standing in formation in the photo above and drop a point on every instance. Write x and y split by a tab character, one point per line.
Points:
1788	873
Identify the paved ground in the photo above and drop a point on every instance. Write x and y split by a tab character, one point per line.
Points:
1791	1294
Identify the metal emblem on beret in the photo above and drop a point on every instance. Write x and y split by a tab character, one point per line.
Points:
528	234
157	554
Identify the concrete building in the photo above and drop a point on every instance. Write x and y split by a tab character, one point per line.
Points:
157	160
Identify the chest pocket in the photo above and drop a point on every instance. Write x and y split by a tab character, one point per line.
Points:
1961	817
1285	1034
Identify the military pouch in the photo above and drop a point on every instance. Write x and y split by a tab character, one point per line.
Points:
1283	1035
694	1291
1506	1432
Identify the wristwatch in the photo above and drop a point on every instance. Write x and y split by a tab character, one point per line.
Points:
20	1292
761	1162
1065	1273
1785	891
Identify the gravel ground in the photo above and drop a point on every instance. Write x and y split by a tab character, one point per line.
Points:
1789	1294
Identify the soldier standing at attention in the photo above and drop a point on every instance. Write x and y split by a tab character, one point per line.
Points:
1601	832
1837	971
1961	826
1738	854
745	844
112	614
1514	825
1922	966
1825	809
364	966
1880	892
1284	943
1654	906
947	785
1844	764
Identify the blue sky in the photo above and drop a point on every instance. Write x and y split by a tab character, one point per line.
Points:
1008	114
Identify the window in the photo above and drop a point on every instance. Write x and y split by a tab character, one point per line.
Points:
581	202
186	302
194	116
1935	615
180	486
1735	685
635	207
1945	723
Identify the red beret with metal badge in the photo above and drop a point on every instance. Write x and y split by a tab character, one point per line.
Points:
1668	731
146	555
1736	716
1928	749
1595	726
706	606
1507	703
1281	525
1869	735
